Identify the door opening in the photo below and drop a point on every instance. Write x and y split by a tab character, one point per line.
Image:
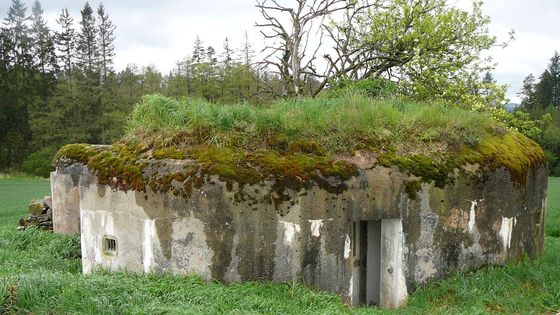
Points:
367	262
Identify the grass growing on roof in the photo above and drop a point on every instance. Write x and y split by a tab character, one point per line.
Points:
340	125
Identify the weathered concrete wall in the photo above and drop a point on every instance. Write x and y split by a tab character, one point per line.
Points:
66	199
231	233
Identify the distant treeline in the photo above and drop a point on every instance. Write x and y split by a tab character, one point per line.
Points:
541	98
60	86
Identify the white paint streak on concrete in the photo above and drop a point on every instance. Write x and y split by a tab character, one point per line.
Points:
290	230
232	273
316	226
110	224
88	238
472	215
148	252
351	289
505	231
347	247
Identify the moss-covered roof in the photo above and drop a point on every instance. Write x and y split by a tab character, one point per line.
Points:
304	141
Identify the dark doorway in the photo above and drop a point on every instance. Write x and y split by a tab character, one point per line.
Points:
367	262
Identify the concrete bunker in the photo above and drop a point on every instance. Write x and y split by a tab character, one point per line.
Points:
370	226
371	243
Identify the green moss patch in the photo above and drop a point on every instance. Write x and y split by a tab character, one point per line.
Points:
118	166
513	151
517	153
76	152
168	153
426	167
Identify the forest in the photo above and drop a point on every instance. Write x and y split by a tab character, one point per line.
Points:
541	98
60	86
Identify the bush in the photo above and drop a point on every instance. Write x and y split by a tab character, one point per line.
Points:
555	170
39	163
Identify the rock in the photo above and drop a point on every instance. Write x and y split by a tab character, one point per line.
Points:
36	207
41	215
48	201
22	223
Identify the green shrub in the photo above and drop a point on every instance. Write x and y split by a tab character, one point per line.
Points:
39	163
555	170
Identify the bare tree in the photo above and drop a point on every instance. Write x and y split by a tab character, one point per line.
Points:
408	40
358	59
287	48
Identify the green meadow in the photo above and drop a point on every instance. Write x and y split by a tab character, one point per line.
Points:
40	273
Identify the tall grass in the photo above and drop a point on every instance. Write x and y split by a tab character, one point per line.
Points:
339	125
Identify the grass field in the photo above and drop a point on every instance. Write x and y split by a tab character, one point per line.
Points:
40	273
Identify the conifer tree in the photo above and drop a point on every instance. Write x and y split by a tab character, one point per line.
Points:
527	93
543	89
199	53
87	48
18	86
66	42
17	30
227	57
106	42
246	53
554	70
43	42
88	82
211	55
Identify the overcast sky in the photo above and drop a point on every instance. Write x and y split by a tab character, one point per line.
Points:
162	32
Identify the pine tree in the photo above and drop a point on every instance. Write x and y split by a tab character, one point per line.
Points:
488	78
6	61
17	30
18	86
246	53
87	48
543	90
66	42
6	52
227	58
199	53
106	42
211	55
554	70
43	42
527	93
88	81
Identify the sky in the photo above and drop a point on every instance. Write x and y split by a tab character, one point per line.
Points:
161	32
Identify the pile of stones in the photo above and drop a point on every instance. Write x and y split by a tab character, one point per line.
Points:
40	215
